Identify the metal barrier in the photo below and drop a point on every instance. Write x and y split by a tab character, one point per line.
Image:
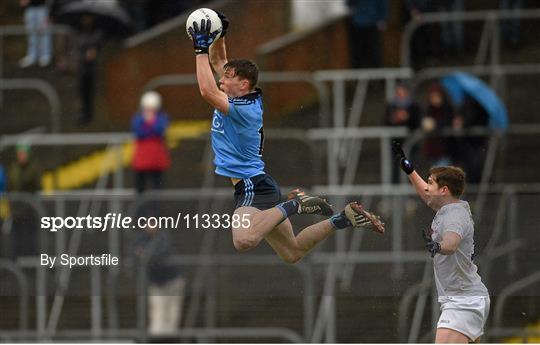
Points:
320	325
489	17
37	84
41	86
264	77
521	284
303	269
23	291
317	327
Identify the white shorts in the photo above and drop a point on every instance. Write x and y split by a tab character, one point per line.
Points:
465	314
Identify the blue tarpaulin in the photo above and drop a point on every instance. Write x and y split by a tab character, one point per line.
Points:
460	83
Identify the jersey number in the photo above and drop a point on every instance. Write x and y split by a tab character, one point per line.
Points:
261	144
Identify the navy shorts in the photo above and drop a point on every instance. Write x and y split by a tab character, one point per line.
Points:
259	191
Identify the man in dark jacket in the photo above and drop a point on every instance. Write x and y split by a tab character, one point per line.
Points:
367	21
152	248
88	42
23	177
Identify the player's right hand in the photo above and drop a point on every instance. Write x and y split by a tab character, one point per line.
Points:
224	23
202	37
405	164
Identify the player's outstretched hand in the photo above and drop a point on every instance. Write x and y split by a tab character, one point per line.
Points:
405	164
201	36
224	23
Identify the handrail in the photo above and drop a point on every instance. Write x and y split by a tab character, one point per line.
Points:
226	260
407	298
429	18
264	77
521	284
41	309
199	333
13	30
41	86
315	258
497	70
19	30
23	291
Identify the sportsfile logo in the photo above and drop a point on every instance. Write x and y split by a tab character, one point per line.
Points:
110	221
117	221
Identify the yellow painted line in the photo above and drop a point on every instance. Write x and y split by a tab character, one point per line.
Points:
531	339
89	168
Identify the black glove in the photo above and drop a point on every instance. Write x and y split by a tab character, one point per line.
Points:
224	22
433	247
404	163
202	38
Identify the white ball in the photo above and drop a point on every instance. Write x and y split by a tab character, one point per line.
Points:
206	14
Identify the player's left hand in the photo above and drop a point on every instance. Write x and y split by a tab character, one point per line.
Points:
433	247
224	23
405	164
202	37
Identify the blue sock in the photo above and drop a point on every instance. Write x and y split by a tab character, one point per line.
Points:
288	208
339	221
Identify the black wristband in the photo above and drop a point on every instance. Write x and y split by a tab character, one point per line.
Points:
406	165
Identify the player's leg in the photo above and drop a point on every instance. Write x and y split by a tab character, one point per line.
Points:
450	336
253	224
259	209
293	248
250	225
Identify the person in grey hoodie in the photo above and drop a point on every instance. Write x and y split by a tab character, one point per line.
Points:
463	297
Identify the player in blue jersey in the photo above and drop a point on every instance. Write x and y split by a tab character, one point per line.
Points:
237	141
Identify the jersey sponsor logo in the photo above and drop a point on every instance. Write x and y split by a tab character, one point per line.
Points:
217	123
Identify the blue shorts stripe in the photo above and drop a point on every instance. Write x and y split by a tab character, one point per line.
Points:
248	189
251	193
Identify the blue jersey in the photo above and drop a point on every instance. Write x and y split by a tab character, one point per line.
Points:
237	138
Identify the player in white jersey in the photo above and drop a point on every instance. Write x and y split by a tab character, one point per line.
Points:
463	297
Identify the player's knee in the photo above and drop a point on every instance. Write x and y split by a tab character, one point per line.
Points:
245	244
291	258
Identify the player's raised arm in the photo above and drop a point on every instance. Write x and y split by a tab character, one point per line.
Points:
218	50
406	165
202	39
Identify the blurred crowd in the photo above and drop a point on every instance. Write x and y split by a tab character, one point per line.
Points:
368	21
437	113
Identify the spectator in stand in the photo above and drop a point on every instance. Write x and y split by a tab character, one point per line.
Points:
36	22
452	32
422	42
402	110
510	28
367	21
88	42
472	149
5	214
23	177
151	157
439	115
152	248
63	47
